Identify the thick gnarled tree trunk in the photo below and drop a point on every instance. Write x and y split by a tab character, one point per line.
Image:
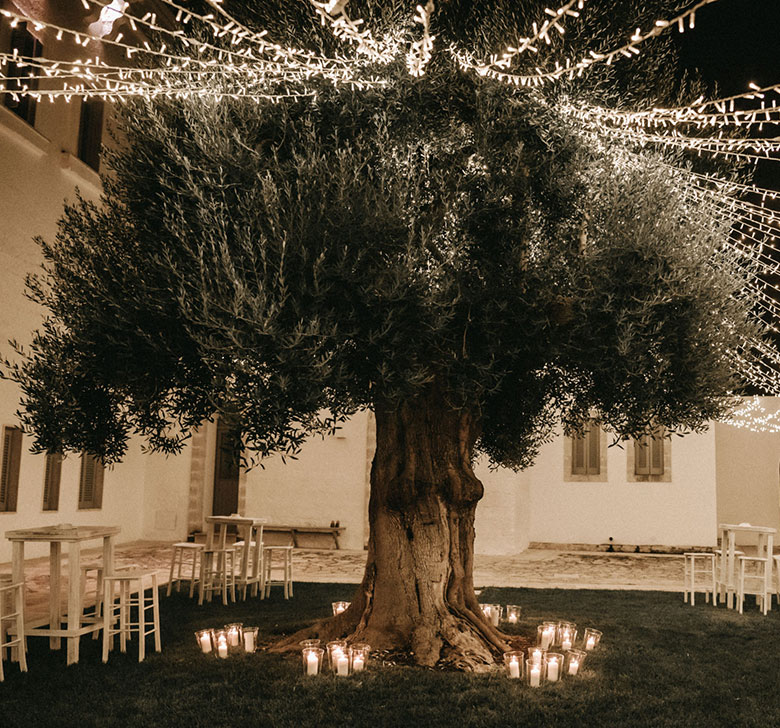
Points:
417	593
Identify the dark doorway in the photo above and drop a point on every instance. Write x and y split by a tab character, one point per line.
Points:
226	469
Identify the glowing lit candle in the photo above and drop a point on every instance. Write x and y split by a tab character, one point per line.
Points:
513	618
312	663
591	643
357	663
536	657
339	608
342	664
566	644
574	666
222	648
249	641
205	642
536	675
233	636
547	637
514	668
553	670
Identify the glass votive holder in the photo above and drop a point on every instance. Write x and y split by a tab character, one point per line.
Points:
249	637
512	613
336	651
203	636
513	662
573	662
534	673
492	613
565	635
312	660
339	607
358	656
310	643
220	641
233	632
545	634
536	655
590	639
553	666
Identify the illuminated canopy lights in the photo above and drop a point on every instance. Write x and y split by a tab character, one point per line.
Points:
212	55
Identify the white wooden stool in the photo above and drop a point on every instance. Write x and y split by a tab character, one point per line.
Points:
777	590
131	593
12	610
285	567
217	573
98	614
252	573
752	578
721	573
194	551
706	569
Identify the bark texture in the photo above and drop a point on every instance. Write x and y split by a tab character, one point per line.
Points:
417	593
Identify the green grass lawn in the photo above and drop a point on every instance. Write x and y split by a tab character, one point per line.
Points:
660	663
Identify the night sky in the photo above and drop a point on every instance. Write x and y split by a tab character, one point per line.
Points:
735	42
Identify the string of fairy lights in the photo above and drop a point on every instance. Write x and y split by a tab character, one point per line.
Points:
213	55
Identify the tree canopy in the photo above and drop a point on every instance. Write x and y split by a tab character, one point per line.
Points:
283	265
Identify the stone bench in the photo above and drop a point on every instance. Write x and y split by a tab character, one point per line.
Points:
294	532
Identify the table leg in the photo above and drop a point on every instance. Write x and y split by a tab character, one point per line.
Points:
108	556
17	576
248	533
767	552
256	556
730	568
55	604
74	600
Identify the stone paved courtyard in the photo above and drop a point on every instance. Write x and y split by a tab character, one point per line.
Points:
535	568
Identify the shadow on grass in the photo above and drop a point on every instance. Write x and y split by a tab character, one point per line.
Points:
661	663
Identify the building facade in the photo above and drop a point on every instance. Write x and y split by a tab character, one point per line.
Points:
671	494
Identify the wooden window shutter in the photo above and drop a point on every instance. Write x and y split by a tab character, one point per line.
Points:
657	453
51	482
594	449
642	455
91	132
9	476
578	461
19	75
91	483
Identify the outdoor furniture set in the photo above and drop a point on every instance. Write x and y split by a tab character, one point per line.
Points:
126	600
227	566
728	574
116	592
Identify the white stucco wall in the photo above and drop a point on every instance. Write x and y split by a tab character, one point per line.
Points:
748	480
502	521
678	513
327	482
165	496
37	172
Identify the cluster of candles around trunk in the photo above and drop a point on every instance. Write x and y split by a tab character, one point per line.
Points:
343	659
233	638
540	664
493	613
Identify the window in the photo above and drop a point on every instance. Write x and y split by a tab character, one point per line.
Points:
586	451
23	46
91	482
91	132
51	482
9	476
649	454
